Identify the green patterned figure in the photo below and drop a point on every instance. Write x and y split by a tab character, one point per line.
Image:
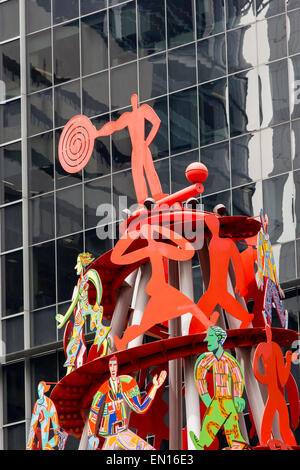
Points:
223	408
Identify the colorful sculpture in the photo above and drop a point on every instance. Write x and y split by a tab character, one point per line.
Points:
275	378
166	302
109	405
221	251
44	412
267	277
76	348
223	407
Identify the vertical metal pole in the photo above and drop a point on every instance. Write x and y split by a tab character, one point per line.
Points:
175	375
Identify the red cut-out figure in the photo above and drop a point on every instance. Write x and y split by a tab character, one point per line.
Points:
221	251
275	378
141	158
166	302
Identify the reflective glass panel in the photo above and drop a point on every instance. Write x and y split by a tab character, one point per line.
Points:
14	437
183	120
11	121
294	73
11	173
11	227
13	334
97	192
122	27
43	275
12	278
239	12
180	18
40	112
9	20
66	10
42	218
66	52
179	164
67	251
123	82
294	26
274	97
62	178
240	48
245	159
121	144
94	47
38	14
295	138
41	172
160	146
271	37
14	393
162	168
66	102
216	159
266	8
243	102
99	163
210	17
291	4
88	6
247	200
276	145
95	94
123	186
209	202
182	67
9	70
152	76
151	22
38	366
284	255
213	112
43	327
95	245
69	210
296	177
39	60
211	53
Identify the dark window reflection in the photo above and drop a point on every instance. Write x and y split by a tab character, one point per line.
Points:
11	173
295	86
160	146
95	245
43	327
292	4
247	200
66	52
66	10
243	102
209	202
41	172
152	76
95	95
266	8
66	102
38	366
123	186
241	50
9	20
216	159
88	6
39	60
69	210
182	67
40	112
151	21
14	393
62	178
179	164
287	264
99	163
294	25
240	12
245	159
213	114
271	37
11	227
42	218
183	121
9	70
121	144
122	27
210	17
97	192
94	39
162	168
274	93
276	145
67	251
123	82
11	121
38	14
14	437
180	17
295	135
43	275
13	334
12	278
211	53
296	178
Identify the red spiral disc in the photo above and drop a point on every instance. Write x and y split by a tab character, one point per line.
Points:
76	144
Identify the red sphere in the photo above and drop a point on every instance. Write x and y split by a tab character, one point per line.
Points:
196	172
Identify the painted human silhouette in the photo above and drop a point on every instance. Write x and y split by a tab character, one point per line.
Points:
141	158
275	377
166	302
221	251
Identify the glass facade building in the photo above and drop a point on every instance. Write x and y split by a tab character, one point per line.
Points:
224	78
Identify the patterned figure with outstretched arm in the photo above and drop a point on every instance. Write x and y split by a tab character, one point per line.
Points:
223	407
109	406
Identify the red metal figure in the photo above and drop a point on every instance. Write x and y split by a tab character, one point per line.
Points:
141	158
275	378
221	251
166	302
